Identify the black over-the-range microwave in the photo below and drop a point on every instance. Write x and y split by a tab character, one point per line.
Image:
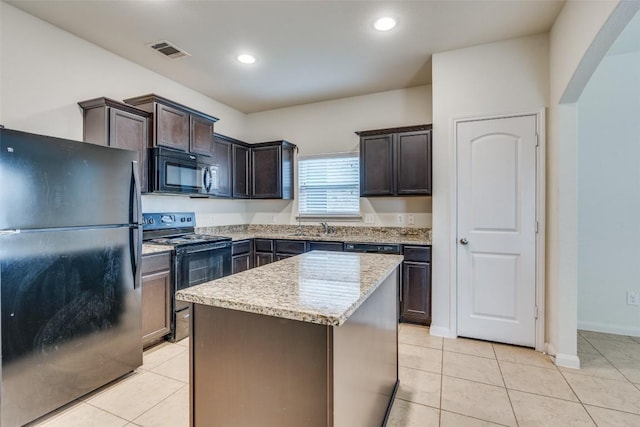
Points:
181	173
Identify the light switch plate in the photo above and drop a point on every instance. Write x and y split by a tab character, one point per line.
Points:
411	219
400	218
368	218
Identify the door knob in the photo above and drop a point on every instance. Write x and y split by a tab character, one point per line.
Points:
464	241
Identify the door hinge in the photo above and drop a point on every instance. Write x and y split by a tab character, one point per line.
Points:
537	139
536	311
537	227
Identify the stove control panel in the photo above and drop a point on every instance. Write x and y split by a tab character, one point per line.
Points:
160	221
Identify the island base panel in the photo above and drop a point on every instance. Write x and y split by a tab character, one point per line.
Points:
256	370
365	359
252	370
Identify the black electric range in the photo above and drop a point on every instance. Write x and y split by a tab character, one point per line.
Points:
197	258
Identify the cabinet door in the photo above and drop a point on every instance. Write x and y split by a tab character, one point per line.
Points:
240	185
263	258
287	173
201	136
130	132
413	163
266	163
222	161
416	292
156	305
172	128
241	263
376	165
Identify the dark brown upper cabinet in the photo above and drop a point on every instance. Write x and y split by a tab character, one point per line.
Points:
395	161
177	126
376	165
241	186
114	124
272	170
222	161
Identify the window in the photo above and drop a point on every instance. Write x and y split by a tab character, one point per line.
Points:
329	185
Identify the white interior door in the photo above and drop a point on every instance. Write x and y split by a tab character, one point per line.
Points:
496	224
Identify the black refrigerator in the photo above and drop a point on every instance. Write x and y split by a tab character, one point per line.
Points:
70	297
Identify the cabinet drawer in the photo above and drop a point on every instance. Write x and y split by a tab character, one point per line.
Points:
326	246
417	253
241	247
290	246
263	245
156	262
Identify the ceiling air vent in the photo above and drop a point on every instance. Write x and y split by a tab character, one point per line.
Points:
168	49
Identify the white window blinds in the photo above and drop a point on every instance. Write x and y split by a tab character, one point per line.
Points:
329	185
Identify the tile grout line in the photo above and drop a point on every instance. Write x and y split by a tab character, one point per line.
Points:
605	358
513	411
475	418
109	412
133	421
577	396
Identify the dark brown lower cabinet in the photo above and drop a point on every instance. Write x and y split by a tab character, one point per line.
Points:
263	258
241	256
241	263
156	297
416	285
263	252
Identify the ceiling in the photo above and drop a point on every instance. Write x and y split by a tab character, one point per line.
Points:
307	51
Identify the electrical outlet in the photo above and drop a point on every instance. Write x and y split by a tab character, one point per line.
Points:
633	298
411	219
368	218
273	219
400	218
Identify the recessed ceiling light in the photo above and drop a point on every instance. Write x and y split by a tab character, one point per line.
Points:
246	59
384	24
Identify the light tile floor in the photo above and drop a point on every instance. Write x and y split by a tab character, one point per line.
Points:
443	382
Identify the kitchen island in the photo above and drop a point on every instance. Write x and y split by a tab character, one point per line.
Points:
308	341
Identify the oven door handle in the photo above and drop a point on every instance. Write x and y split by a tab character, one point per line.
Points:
195	251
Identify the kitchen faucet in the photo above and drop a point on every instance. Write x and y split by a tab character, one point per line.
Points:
325	226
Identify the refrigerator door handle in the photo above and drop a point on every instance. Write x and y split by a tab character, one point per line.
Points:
134	235
135	202
134	252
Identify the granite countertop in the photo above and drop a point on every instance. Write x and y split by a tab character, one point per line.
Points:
316	287
155	249
393	235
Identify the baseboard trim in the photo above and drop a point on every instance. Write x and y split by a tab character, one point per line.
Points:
550	349
568	361
609	328
440	331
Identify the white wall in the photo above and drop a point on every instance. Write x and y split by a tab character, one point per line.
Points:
577	42
45	71
609	197
328	127
495	78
